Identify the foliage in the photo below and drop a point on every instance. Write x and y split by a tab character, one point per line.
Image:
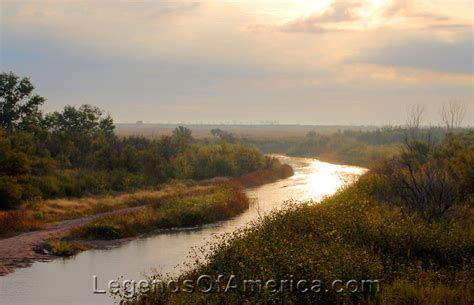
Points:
176	211
351	146
63	248
12	222
19	108
428	178
74	152
419	248
348	236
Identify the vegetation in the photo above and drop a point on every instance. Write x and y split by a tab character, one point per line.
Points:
364	232
63	248
12	222
75	152
428	178
355	147
208	205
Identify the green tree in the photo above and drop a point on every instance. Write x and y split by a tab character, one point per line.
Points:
19	108
182	137
86	119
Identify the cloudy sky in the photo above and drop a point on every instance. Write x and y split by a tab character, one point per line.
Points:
316	62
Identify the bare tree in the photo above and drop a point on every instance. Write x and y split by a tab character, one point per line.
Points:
426	188
414	117
452	114
413	123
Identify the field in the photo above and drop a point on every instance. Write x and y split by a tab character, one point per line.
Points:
204	130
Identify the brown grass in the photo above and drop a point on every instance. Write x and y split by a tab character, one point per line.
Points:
35	215
180	210
12	222
64	208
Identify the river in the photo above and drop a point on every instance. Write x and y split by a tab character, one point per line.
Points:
70	281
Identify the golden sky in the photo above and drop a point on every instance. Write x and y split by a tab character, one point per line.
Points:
318	62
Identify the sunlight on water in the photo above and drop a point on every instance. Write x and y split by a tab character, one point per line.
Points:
328	177
69	281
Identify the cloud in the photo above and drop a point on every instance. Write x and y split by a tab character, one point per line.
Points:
338	12
161	60
434	55
398	7
175	7
415	13
350	15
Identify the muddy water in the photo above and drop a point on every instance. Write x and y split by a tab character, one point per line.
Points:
70	281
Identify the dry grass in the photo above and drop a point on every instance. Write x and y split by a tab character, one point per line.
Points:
12	222
182	209
349	236
62	209
36	215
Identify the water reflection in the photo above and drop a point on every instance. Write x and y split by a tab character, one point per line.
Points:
69	281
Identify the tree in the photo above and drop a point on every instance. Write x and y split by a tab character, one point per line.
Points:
223	135
452	114
182	137
414	118
19	108
86	119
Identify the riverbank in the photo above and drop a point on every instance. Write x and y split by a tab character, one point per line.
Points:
205	202
350	236
403	234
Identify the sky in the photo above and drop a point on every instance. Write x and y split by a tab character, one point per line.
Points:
245	61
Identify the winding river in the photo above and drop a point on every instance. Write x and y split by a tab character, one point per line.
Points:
70	281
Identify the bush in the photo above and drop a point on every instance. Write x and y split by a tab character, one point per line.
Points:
347	236
63	248
102	231
427	178
12	222
177	211
10	193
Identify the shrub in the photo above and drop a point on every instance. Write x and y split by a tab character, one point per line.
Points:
347	236
102	231
12	222
179	210
63	248
10	193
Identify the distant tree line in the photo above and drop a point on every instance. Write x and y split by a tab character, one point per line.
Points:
75	152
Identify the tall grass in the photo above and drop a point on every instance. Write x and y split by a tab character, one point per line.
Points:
176	211
347	236
12	222
36	214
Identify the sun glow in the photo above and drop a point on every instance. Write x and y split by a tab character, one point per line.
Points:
283	11
329	177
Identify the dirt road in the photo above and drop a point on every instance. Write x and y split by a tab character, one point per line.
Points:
17	251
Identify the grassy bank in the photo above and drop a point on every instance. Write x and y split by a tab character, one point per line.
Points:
348	236
184	208
176	211
407	226
36	215
359	154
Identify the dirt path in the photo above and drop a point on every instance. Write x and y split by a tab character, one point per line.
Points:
17	251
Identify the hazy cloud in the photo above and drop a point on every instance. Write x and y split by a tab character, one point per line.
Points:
338	12
443	56
414	11
213	60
